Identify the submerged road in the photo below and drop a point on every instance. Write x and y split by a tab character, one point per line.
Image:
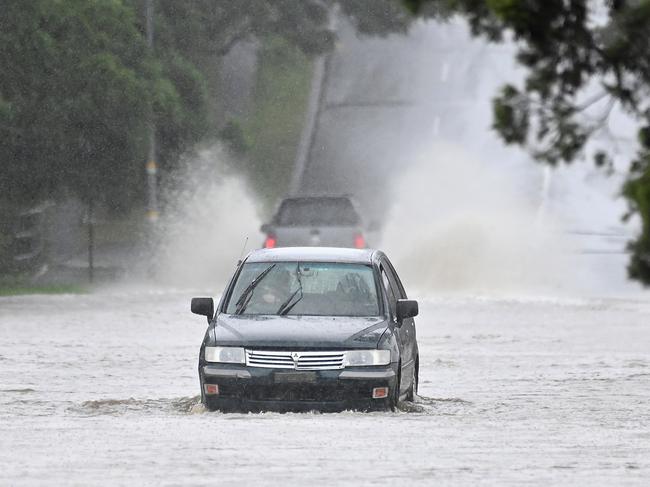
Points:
102	389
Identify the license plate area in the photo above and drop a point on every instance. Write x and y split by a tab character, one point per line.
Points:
294	377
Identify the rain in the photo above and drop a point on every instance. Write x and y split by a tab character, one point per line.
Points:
533	318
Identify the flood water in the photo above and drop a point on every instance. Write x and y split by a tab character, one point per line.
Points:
103	389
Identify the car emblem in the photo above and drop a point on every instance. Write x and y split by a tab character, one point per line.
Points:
295	356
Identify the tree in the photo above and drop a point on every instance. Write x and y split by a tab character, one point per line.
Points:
67	95
582	58
75	97
78	82
288	33
207	27
72	92
202	31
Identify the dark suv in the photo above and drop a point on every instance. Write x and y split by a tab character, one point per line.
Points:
309	328
321	221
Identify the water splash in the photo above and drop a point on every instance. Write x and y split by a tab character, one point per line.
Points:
208	216
464	223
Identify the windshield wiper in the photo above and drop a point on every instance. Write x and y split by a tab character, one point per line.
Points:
286	307
246	296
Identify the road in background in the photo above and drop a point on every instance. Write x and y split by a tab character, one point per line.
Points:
398	107
386	99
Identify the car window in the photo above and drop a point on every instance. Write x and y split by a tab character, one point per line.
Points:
317	212
392	299
394	280
306	289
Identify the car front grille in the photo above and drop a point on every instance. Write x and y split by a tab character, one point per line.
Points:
313	360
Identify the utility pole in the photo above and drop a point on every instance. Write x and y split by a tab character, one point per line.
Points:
91	240
151	166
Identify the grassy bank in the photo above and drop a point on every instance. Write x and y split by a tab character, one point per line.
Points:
22	288
275	125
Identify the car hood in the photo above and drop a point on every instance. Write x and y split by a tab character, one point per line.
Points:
299	331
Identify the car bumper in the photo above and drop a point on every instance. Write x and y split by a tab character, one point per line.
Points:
257	388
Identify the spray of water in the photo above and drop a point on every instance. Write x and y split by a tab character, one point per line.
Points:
463	224
209	214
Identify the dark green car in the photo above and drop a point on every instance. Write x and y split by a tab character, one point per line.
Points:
306	328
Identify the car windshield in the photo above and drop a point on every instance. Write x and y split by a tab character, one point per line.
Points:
317	212
304	288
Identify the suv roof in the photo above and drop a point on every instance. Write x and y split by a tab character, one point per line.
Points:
317	196
320	211
312	254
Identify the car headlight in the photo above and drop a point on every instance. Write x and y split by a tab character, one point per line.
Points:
355	358
227	355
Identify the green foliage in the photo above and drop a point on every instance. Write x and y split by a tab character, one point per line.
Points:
637	192
79	85
20	288
180	112
376	17
275	126
201	28
511	115
74	90
568	48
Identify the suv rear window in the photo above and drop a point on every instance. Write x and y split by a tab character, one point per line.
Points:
317	212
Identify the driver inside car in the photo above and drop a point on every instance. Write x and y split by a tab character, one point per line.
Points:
351	291
273	291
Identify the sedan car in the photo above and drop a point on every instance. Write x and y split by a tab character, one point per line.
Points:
333	221
309	328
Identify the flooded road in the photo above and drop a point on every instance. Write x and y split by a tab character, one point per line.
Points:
102	389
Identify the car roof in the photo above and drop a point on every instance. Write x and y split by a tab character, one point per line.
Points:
316	198
312	254
323	196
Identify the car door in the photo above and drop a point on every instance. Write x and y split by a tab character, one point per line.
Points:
406	330
400	335
409	323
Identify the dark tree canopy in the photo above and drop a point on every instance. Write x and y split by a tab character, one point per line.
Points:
582	57
79	85
74	78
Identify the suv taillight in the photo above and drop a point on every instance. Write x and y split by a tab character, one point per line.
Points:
270	242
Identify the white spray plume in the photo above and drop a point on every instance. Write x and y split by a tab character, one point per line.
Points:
209	215
460	224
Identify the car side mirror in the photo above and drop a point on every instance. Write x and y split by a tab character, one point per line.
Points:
406	308
203	307
266	228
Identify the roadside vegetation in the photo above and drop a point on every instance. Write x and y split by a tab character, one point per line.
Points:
275	125
22	284
22	289
82	86
583	59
